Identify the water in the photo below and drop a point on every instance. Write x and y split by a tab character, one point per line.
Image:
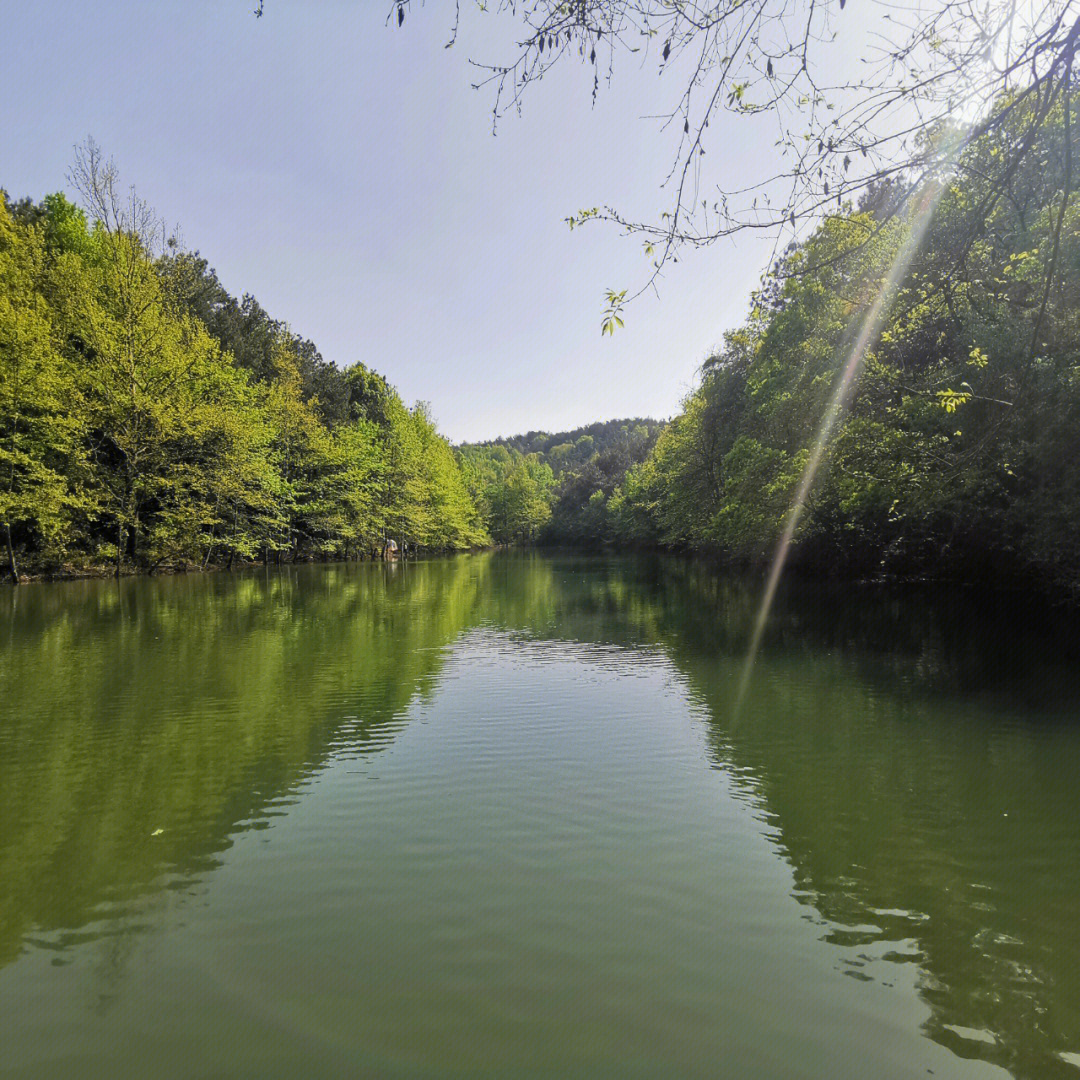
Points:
492	816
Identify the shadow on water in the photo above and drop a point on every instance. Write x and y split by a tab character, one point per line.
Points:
913	757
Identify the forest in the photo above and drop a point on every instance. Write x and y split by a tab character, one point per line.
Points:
149	419
952	452
544	487
930	359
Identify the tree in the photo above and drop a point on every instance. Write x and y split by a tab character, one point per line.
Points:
129	431
453	518
948	453
511	489
138	361
249	335
40	421
519	501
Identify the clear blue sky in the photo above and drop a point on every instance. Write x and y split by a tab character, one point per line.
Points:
344	172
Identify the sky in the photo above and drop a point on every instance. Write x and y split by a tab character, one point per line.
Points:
344	172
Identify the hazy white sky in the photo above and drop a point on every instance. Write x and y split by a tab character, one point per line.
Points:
344	172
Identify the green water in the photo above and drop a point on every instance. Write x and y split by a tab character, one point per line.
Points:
493	816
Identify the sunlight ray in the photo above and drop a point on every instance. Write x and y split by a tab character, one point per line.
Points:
920	218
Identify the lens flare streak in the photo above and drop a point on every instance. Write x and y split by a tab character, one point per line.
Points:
868	333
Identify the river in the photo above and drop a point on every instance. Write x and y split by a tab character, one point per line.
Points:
495	815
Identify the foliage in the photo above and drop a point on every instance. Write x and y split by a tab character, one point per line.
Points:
554	487
148	418
512	489
951	449
40	453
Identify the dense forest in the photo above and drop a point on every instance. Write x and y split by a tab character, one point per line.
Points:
550	487
148	418
953	452
931	359
934	356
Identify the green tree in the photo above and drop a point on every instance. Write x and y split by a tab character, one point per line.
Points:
40	414
943	401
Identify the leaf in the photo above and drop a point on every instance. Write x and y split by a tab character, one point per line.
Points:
400	14
667	49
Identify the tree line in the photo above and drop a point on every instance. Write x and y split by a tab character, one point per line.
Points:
545	487
903	398
934	356
150	419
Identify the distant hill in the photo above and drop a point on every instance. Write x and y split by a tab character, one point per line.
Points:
554	487
568	451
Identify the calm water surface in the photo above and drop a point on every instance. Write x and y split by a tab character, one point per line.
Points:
493	816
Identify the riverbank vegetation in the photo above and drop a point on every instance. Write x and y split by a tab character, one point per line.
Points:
953	446
933	357
149	419
930	358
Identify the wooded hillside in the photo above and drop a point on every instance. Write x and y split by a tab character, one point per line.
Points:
148	418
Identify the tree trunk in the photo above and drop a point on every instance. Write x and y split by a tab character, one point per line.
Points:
232	553
13	567
119	547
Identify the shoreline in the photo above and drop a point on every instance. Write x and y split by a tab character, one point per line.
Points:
1028	588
